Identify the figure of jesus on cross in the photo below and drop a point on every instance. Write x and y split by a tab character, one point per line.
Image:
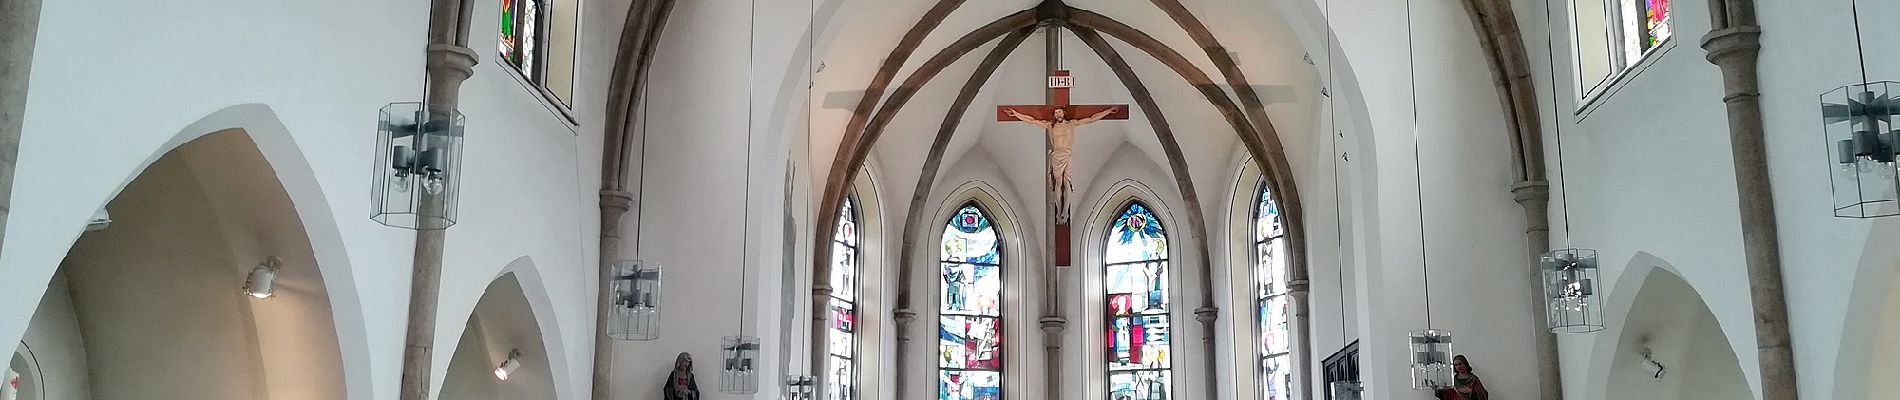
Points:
1054	118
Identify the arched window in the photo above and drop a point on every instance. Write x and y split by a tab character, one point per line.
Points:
538	41
1137	289
1269	243
970	332
842	383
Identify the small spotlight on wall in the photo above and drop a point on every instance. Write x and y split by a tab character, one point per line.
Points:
262	283
509	366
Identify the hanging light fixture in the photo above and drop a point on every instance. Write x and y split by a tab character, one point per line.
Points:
1569	275
636	301
509	366
1431	348
418	166
740	353
262	281
1862	140
741	356
1570	291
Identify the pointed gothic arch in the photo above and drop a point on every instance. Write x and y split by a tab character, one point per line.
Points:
1010	309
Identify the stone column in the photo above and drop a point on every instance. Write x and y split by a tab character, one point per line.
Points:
1735	45
19	28
614	205
1534	196
447	62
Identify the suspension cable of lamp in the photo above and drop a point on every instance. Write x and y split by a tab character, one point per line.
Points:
1569	274
1342	389
1431	348
741	352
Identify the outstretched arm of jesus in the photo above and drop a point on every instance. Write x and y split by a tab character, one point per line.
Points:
1098	116
1026	118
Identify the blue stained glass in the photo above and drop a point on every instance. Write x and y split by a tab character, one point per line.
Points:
844	310
1136	286
970	330
1272	309
1136	236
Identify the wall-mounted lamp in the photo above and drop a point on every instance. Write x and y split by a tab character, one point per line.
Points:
99	221
509	366
1660	369
262	283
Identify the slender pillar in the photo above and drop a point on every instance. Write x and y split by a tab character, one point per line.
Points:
1534	196
19	28
614	205
1735	45
448	62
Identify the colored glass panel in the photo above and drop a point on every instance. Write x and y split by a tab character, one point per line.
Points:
521	25
970	385
1136	236
842	337
1140	385
1656	21
970	330
1273	310
1136	289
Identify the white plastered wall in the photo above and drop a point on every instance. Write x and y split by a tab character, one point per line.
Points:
1649	172
117	85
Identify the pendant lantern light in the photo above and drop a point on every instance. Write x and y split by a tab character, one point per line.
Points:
417	173
635	312
1862	140
1570	291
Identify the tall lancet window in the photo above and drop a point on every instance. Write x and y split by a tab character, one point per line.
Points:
843	382
1137	289
1269	235
970	334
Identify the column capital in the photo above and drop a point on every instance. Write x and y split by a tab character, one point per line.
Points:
1730	46
456	61
1207	315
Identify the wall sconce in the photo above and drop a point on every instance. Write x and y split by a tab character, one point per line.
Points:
636	301
418	166
1863	140
1660	369
509	366
1347	390
741	356
262	283
1431	359
1570	291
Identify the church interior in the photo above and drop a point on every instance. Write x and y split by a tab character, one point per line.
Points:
949	199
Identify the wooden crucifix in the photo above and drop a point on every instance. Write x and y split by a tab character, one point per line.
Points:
1055	120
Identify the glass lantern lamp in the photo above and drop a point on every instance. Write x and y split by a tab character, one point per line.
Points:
635	311
741	359
1862	140
1570	291
1347	390
1431	359
417	172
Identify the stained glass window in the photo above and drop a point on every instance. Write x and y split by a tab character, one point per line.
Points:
970	335
1138	323
1644	25
842	384
523	39
1269	238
